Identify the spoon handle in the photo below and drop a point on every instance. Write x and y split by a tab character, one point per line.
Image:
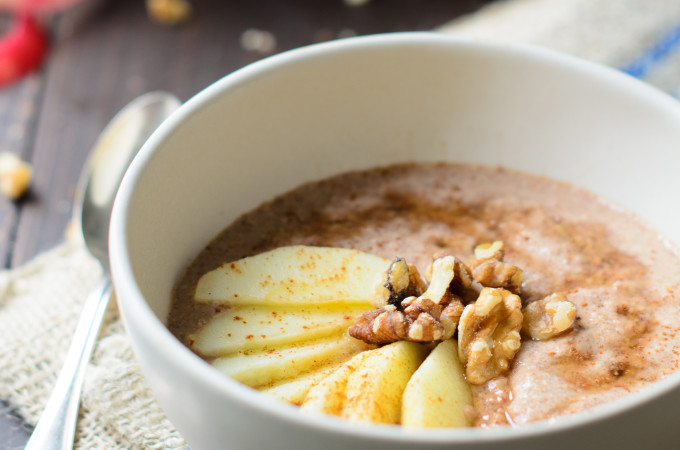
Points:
56	427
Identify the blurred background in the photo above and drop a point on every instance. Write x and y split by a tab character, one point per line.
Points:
102	53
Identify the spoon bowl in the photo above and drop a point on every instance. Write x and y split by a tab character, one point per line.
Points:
117	145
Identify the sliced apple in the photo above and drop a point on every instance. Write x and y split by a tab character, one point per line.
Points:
257	369
295	390
254	328
328	396
299	275
437	393
374	390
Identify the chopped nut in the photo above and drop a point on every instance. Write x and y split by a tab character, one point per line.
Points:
450	316
618	368
380	326
416	283
493	250
169	12
425	329
488	334
397	277
403	280
261	41
447	273
415	305
390	326
544	319
429	317
445	318
15	175
497	274
489	269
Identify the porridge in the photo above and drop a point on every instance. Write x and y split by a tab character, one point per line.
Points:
594	295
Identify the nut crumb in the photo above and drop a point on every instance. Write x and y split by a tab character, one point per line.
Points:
169	12
15	175
260	41
493	250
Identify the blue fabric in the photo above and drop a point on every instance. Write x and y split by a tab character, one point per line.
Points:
661	51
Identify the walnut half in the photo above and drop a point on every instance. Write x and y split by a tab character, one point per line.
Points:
488	334
545	319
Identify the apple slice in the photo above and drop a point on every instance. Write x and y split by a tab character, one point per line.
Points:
254	328
374	390
299	275
295	390
269	366
328	396
437	393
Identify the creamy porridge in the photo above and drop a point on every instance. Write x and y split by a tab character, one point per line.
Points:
622	280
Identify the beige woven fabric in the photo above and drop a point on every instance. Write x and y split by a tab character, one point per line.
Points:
40	302
619	33
612	32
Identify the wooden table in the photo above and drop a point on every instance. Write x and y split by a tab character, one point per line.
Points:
105	54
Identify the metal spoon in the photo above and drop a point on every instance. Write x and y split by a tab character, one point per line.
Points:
117	145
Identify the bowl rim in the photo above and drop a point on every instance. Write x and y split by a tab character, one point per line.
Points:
135	308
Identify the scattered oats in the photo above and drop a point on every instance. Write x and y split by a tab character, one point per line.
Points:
169	12
15	175
254	40
356	2
346	32
323	35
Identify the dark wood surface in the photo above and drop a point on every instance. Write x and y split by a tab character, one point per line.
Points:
105	53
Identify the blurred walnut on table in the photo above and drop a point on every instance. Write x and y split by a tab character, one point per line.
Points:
169	12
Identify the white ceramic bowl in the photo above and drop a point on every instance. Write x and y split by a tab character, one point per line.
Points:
363	102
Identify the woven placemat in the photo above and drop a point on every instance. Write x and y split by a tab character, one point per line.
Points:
40	302
39	306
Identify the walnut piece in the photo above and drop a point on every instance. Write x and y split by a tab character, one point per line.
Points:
169	12
15	175
491	250
457	279
489	269
429	317
403	280
545	319
439	322
380	326
450	316
488	327
488	334
389	325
